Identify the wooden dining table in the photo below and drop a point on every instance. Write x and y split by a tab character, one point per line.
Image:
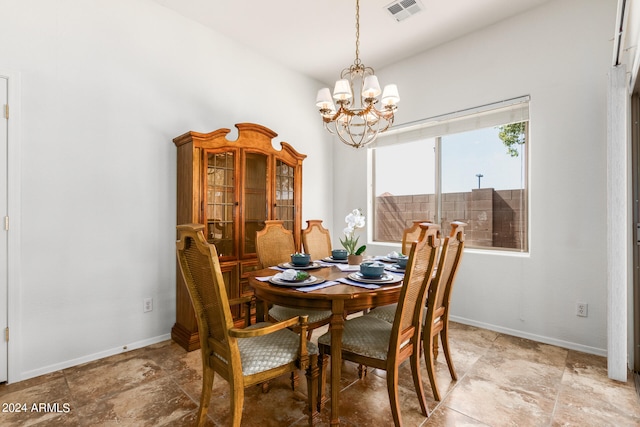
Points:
340	298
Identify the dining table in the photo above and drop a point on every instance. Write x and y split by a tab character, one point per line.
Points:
334	289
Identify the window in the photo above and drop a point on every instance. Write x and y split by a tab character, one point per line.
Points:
469	166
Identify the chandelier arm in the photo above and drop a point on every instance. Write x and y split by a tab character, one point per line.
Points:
328	128
383	114
389	123
360	138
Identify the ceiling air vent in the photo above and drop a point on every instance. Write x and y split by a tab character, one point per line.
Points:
402	9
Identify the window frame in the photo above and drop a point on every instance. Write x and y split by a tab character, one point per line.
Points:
490	115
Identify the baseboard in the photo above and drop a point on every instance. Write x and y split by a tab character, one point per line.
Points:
91	357
533	337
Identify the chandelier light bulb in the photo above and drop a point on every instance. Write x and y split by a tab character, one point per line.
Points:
390	96
324	101
342	90
371	87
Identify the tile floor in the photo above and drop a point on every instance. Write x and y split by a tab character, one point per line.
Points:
502	381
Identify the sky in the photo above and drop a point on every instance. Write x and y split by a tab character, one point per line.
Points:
464	155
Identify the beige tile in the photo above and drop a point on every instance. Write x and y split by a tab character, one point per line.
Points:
467	344
587	391
152	403
46	402
171	357
446	417
523	365
105	377
280	406
590	416
471	338
366	402
520	348
443	378
503	381
496	404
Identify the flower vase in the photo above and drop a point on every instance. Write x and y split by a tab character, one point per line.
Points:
354	259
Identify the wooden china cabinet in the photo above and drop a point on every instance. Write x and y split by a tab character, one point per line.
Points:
232	187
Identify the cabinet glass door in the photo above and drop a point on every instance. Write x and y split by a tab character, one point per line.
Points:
220	202
285	207
255	198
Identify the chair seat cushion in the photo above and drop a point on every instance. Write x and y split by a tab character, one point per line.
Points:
259	354
385	312
280	313
364	335
388	313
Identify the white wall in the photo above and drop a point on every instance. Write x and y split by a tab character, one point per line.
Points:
105	88
559	54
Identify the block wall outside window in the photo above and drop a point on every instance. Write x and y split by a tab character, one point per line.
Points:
495	218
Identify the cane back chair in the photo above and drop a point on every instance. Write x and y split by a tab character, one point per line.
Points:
243	357
316	240
409	235
274	245
373	342
439	300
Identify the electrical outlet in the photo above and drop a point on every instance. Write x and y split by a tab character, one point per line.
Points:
147	305
581	309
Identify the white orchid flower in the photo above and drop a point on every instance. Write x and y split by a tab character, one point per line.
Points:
355	219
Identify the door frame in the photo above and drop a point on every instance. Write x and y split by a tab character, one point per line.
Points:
13	211
635	188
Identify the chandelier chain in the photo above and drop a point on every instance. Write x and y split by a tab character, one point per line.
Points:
357	60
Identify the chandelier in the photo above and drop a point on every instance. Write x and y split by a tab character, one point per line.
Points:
359	124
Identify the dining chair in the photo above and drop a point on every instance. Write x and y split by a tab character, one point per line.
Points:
388	312
409	235
376	343
243	357
436	321
274	245
316	240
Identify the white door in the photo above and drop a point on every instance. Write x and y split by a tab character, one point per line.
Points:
4	233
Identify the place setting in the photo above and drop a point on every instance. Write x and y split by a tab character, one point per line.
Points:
392	257
294	278
399	265
300	261
371	275
300	280
338	256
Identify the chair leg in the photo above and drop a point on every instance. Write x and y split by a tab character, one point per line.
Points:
362	371
207	384
417	381
392	388
312	390
323	365
427	342
294	380
445	349
237	402
435	347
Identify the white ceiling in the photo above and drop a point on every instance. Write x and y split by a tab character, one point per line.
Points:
317	38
